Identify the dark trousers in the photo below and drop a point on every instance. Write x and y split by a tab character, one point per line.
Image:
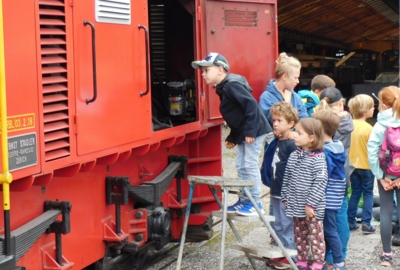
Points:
332	239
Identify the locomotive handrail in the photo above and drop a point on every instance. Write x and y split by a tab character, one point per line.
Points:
93	61
5	177
147	59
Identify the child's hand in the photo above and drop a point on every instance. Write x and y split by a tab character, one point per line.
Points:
387	184
309	211
250	139
396	183
229	145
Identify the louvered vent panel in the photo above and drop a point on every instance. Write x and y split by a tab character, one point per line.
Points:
113	11
241	18
157	42
54	79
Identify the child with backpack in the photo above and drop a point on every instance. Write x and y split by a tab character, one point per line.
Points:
284	117
384	169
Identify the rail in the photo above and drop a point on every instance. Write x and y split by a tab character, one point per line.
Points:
5	177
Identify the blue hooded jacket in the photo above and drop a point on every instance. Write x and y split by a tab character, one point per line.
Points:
309	99
272	95
336	188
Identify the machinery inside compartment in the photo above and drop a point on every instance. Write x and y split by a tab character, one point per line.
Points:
171	29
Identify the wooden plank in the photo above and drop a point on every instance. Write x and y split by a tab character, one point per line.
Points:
344	59
266	250
233	216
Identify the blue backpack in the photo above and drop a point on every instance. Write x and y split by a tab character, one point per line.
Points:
266	167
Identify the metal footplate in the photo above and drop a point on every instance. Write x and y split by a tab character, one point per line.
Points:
252	249
233	216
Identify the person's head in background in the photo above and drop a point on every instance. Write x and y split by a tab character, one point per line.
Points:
389	99
320	82
287	72
214	68
330	122
331	98
361	106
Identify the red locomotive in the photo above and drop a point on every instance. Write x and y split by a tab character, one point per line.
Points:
103	118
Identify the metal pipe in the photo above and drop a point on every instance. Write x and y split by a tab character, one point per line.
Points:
5	177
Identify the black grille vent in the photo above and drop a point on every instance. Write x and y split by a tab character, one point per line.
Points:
241	18
53	42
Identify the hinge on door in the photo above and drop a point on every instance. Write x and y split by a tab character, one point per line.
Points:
198	13
71	3
76	124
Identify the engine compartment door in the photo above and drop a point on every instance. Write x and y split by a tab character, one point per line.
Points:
246	34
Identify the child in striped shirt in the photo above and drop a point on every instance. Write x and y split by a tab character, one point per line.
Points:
303	192
336	188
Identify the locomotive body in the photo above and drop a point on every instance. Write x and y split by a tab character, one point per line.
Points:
106	118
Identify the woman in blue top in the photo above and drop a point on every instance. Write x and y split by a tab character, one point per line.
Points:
287	74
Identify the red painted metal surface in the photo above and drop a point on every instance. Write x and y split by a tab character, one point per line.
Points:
78	145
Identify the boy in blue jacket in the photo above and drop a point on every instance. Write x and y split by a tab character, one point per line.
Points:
336	188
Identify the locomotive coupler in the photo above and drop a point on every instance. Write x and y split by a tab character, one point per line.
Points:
181	173
117	193
59	226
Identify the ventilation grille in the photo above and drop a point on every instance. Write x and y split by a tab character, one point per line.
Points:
113	11
157	42
54	79
241	18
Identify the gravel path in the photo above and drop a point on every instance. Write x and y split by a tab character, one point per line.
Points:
364	250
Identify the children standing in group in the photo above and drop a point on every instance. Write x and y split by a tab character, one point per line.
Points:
303	192
331	98
335	190
247	123
284	118
388	116
287	74
362	179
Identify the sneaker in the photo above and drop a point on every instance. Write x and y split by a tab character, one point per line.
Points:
279	263
353	227
396	240
327	266
232	208
386	260
367	229
249	210
273	242
302	265
316	266
336	267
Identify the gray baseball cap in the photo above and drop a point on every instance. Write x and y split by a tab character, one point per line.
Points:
213	59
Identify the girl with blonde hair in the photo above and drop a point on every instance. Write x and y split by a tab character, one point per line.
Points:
287	74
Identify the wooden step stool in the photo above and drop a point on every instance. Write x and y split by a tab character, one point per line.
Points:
228	184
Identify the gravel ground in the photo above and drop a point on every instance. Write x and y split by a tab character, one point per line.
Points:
364	250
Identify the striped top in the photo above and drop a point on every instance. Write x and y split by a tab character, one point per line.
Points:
304	183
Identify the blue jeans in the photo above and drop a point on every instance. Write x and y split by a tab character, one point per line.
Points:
247	166
283	225
332	239
362	182
343	231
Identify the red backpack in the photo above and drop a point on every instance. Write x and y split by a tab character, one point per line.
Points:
389	153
